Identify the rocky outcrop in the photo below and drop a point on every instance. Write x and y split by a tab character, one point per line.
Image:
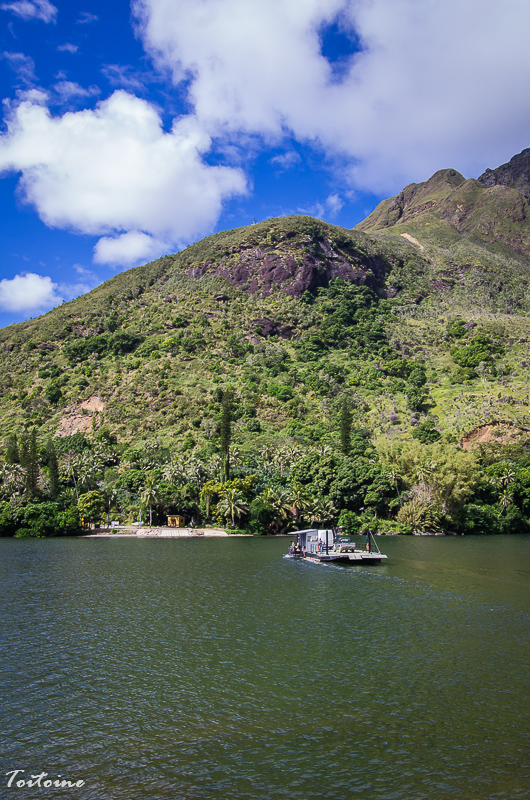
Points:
515	174
296	267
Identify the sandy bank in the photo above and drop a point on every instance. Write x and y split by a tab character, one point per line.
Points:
160	533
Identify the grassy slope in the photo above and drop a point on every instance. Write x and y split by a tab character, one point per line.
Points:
193	344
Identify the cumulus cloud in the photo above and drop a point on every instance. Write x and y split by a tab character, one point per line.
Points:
436	83
114	170
28	292
129	248
432	84
32	9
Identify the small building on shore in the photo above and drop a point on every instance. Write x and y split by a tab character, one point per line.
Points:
176	521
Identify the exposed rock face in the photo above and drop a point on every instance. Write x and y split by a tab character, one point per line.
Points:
261	269
268	327
516	174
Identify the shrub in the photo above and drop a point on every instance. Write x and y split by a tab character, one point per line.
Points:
480	348
53	394
282	393
417	399
426	431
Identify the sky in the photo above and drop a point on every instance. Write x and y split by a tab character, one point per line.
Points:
130	130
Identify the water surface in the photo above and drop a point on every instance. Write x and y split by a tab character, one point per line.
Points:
217	669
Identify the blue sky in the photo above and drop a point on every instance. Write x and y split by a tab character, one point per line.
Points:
131	130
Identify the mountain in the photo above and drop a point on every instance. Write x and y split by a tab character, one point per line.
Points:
492	211
515	174
266	309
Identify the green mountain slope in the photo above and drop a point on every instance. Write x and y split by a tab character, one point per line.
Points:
249	305
412	328
474	233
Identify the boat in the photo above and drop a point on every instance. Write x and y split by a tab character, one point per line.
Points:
327	546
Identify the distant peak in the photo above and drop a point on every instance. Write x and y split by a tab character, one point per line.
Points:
515	174
448	176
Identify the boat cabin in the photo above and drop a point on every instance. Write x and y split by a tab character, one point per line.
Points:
314	540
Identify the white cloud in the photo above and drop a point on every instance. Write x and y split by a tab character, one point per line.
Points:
85	273
32	9
69	291
23	66
28	292
67	48
286	160
326	210
66	90
334	203
86	17
124	76
114	170
438	83
130	248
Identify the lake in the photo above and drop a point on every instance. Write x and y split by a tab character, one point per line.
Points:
217	669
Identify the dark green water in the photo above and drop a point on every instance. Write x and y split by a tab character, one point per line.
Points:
216	669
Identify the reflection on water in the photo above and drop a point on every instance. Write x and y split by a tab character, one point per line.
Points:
211	669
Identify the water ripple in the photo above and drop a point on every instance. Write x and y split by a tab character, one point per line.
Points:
208	670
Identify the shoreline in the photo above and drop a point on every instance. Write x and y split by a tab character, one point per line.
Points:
157	532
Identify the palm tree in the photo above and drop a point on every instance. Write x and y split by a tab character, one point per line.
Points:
507	477
149	494
323	511
172	472
322	450
232	505
506	499
300	499
70	465
109	495
423	471
267	457
208	491
195	471
214	467
394	474
12	479
280	460
279	502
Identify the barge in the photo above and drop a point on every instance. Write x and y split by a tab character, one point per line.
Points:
324	546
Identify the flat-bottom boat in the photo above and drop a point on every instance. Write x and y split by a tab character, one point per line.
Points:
323	546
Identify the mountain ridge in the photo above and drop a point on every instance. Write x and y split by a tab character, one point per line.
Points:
425	251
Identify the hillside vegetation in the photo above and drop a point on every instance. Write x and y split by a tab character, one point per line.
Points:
380	371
